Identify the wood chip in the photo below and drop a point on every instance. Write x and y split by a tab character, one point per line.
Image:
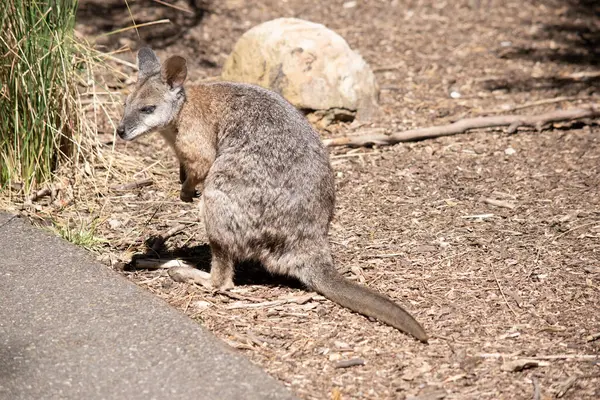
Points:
349	363
498	203
565	386
592	337
521	364
478	216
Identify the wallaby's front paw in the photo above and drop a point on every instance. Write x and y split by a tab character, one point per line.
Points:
187	197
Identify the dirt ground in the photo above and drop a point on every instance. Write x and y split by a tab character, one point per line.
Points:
490	284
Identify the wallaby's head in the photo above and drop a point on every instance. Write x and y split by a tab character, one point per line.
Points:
158	95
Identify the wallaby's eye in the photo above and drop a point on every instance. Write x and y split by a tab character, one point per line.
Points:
148	109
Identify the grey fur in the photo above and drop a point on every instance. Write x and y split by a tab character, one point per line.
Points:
148	63
269	196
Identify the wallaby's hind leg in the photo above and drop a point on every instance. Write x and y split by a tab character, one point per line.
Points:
221	271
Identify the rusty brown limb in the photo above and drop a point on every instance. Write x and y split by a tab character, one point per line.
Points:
463	125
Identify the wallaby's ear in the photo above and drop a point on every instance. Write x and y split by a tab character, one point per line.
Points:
148	63
174	71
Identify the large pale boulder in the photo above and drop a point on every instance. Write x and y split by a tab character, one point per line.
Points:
310	65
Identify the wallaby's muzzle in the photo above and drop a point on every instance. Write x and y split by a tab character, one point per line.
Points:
121	132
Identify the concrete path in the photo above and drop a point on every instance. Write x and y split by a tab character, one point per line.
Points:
72	329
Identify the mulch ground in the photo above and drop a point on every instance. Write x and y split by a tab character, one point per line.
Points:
491	284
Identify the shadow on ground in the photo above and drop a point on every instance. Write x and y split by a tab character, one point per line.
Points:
101	17
246	273
571	39
576	36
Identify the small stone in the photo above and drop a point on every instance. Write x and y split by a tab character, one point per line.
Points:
341	345
455	95
114	223
202	305
509	151
592	269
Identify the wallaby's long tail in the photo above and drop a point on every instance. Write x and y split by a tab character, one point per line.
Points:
363	300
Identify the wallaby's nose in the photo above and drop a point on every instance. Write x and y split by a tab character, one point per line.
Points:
121	131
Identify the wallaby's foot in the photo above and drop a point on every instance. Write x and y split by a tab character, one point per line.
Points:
226	286
190	275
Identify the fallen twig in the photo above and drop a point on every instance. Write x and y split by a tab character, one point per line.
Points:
522	363
463	125
133	185
566	386
39	194
349	363
478	216
239	304
592	337
164	3
261	340
236	296
554	239
537	395
160	240
502	292
565	357
498	203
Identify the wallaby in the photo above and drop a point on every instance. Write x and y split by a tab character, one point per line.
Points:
263	173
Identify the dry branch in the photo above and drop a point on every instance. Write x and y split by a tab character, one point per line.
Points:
39	194
550	357
463	125
133	185
160	240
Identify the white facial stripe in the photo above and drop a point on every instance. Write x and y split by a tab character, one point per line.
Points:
153	120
